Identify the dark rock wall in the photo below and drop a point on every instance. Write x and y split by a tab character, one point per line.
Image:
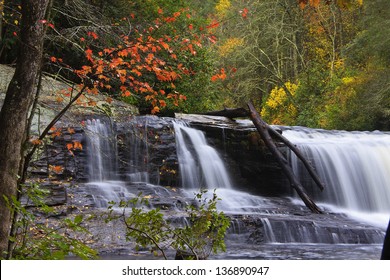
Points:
251	164
147	145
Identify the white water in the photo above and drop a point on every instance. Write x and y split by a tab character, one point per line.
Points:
200	164
102	165
102	151
202	167
355	167
138	153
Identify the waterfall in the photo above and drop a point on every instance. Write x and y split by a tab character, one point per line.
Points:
138	152
102	164
102	151
200	164
354	166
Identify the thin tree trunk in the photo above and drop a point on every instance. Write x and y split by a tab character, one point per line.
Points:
1	18
263	129
17	104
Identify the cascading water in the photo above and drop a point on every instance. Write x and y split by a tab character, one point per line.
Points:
354	166
138	152
102	164
102	151
256	220
200	164
202	167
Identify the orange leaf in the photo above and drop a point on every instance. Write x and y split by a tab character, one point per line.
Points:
138	73
115	62
99	69
314	3
88	54
155	110
56	134
36	141
214	24
77	145
244	13
59	99
92	103
56	168
93	35
162	103
164	45
126	93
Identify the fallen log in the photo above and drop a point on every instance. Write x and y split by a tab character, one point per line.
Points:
233	113
386	245
296	151
230	113
263	129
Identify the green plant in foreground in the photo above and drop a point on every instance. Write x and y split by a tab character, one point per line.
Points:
203	234
34	237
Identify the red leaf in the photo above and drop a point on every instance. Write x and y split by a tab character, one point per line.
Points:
88	54
244	13
93	35
214	24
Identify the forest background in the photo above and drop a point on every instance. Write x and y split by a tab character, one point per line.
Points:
302	62
322	65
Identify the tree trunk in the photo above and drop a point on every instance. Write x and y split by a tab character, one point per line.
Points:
230	113
14	113
294	149
1	18
243	113
263	129
386	245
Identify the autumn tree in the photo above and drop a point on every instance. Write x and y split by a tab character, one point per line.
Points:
144	60
263	46
16	108
367	87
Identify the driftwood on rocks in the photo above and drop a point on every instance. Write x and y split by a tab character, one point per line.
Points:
265	132
263	129
230	113
296	151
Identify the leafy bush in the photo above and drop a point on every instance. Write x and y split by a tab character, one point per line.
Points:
34	238
202	235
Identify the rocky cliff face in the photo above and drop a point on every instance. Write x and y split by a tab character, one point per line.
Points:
146	151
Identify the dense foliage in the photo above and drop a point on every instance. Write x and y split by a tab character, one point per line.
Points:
226	52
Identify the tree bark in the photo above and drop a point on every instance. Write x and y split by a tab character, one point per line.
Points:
16	107
243	113
263	129
386	245
294	149
230	113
